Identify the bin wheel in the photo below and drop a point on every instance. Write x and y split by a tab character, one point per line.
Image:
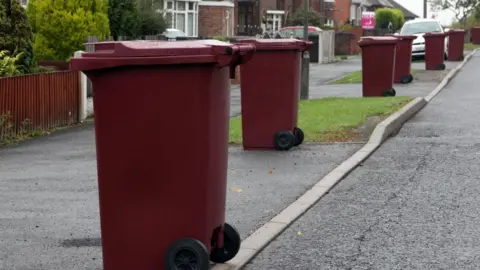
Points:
284	140
406	79
299	136
440	67
389	93
231	245
187	253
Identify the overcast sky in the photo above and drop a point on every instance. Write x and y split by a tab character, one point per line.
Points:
416	6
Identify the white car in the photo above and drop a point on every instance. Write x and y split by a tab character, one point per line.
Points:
420	27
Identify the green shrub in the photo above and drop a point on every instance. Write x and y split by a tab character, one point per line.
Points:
152	23
62	27
125	18
9	64
16	34
383	16
221	38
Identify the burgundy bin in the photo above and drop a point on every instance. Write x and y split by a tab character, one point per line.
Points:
403	59
162	165
270	90
435	51
456	44
475	35
378	64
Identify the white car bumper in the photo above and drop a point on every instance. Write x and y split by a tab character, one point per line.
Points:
418	50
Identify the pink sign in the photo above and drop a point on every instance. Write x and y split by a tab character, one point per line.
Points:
368	20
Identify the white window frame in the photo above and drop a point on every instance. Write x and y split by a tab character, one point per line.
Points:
353	12
277	16
174	12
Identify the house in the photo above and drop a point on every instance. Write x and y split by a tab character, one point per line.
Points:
256	16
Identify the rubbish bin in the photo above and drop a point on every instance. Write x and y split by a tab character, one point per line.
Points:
475	35
270	91
403	59
434	51
161	124
456	44
378	65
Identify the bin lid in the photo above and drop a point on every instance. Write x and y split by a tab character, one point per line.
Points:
128	53
145	48
412	37
278	44
427	35
456	31
365	41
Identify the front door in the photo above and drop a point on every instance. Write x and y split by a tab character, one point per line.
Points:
246	25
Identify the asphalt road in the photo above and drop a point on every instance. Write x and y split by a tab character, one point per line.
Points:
49	216
414	204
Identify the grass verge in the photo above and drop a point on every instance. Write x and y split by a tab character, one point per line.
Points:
356	77
334	119
471	46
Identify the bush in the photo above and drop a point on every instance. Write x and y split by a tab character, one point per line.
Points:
298	18
125	18
383	16
62	27
9	64
16	34
152	23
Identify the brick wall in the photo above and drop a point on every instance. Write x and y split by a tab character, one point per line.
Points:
345	43
212	18
342	12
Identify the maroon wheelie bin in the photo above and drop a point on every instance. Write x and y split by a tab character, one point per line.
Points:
378	65
475	35
435	51
270	91
456	44
162	125
403	59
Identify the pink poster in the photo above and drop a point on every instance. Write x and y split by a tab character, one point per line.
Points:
368	20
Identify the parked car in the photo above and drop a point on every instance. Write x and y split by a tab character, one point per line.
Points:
297	31
420	27
172	34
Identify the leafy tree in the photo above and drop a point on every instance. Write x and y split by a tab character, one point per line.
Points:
62	27
314	18
461	8
152	23
16	34
125	18
9	64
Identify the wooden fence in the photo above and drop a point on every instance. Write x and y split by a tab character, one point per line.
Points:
38	102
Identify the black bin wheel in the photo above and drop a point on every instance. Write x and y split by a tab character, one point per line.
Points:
284	140
389	93
406	79
187	254
299	136
231	245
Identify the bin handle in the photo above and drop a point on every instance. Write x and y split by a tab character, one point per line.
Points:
235	55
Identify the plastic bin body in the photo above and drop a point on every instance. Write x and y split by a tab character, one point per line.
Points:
162	127
435	51
270	90
403	59
378	65
475	35
456	44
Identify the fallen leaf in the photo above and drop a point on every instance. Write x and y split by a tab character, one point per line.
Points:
238	190
299	233
270	172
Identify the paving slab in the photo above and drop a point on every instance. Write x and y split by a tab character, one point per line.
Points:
49	215
412	205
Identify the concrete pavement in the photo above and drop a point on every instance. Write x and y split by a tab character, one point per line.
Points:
412	205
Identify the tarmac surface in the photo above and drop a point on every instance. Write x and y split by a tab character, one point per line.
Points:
412	205
49	215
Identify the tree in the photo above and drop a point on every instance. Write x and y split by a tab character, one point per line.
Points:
152	23
16	34
314	18
125	18
461	8
61	27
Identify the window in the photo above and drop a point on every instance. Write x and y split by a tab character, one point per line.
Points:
353	12
182	15
274	20
329	22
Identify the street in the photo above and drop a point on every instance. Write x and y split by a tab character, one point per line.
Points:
412	205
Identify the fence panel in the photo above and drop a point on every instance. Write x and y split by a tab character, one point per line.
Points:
38	102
